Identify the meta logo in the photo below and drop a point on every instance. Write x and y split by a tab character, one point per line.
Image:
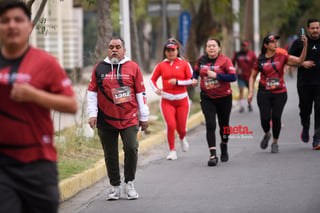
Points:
236	130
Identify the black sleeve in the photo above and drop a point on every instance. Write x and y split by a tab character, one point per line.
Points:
296	48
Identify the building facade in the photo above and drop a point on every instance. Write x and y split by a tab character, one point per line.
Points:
59	31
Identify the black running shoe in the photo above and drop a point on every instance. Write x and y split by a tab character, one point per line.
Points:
213	161
265	141
224	152
305	135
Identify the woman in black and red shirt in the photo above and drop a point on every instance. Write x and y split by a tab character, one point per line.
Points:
216	72
272	92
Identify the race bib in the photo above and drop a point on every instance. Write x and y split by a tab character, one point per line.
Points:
211	83
272	83
121	94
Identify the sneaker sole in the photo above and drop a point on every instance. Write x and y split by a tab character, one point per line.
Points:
133	198
224	158
316	147
112	198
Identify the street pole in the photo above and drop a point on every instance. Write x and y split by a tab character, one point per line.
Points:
125	25
256	19
236	25
164	20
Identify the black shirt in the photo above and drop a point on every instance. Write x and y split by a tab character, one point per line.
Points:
308	77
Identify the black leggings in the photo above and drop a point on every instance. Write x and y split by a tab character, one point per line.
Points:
212	107
271	106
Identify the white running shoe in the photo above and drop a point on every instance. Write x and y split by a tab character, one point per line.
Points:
184	145
130	191
172	155
114	193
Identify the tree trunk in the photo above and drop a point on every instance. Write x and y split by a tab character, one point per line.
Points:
202	26
248	22
39	11
135	41
104	32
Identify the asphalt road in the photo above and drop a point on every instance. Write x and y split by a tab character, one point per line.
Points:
252	181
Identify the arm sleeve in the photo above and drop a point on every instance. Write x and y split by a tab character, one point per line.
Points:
142	106
195	74
189	73
226	77
92	99
154	78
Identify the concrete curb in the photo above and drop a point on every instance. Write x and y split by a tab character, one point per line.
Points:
71	186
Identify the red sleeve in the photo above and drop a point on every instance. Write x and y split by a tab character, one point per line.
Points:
138	81
189	71
60	82
229	66
287	58
93	81
155	75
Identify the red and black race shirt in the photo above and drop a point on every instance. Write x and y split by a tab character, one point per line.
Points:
272	72
26	129
223	65
107	78
244	61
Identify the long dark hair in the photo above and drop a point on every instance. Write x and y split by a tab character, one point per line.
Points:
264	41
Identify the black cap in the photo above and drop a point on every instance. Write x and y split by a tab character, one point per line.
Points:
271	37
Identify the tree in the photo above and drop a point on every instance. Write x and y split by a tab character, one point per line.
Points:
104	27
39	11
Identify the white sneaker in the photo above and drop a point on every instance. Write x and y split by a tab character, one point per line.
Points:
172	155
114	193
130	191
184	145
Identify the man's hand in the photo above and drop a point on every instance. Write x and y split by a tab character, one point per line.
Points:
93	122
23	92
144	125
308	64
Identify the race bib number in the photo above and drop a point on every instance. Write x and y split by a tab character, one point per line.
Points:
211	83
272	83
121	94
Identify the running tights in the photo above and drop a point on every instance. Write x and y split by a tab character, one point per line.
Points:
175	114
212	107
271	106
